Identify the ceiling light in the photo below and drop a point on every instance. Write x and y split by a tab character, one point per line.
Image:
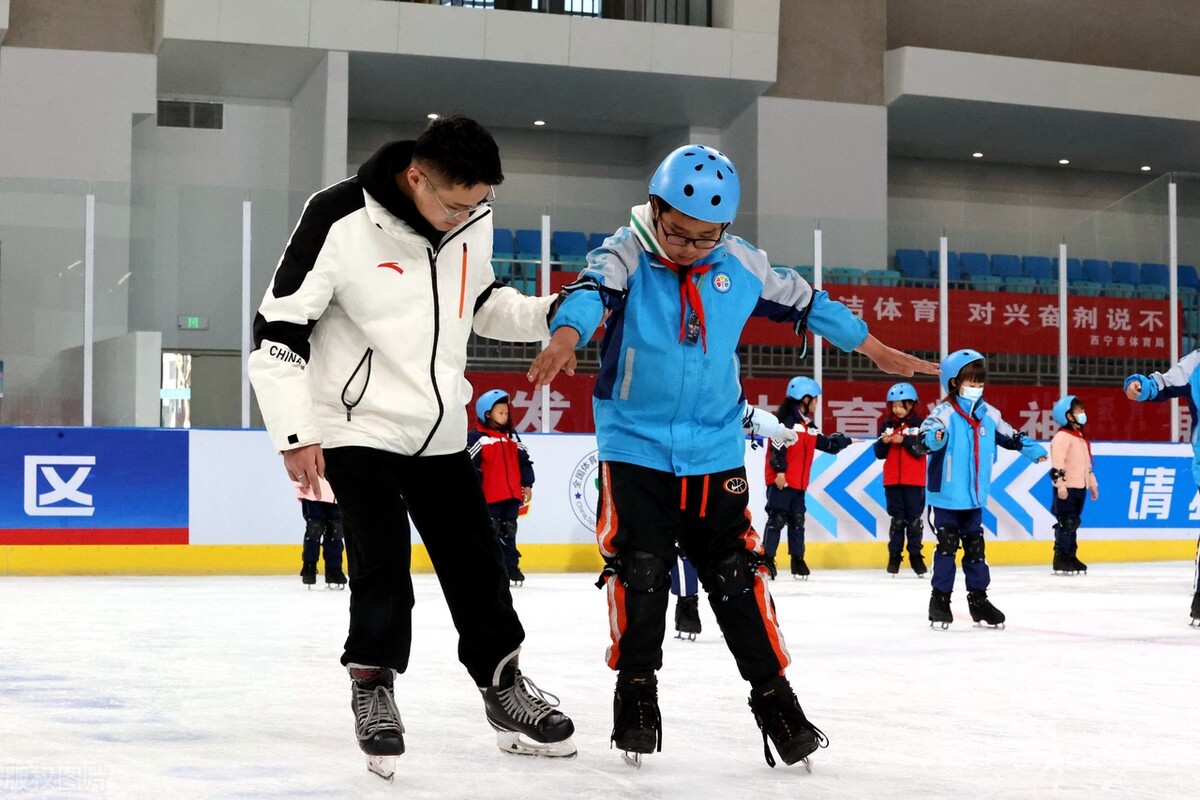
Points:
432	116
539	122
1064	161
1145	169
977	155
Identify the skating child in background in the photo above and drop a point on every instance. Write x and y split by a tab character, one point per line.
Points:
1072	478
670	416
506	472
962	434
322	529
686	588
899	447
1179	381
788	470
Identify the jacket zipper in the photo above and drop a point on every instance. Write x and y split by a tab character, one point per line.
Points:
366	359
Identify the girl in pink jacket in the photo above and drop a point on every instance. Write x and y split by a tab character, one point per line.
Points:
1072	476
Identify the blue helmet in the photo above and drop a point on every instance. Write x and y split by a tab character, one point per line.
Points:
801	386
700	182
487	401
1061	408
902	391
953	364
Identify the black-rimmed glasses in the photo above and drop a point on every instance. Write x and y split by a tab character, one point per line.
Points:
459	213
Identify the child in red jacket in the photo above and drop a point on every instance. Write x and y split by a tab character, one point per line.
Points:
899	448
788	469
506	472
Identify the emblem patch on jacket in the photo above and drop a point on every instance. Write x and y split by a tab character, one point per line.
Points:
722	282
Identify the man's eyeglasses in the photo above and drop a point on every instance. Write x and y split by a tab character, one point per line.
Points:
683	241
459	213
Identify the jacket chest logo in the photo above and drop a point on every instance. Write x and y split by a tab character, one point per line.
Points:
722	282
390	265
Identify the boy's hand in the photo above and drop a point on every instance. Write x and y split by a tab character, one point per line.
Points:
559	356
1095	492
939	434
895	361
1133	390
1062	492
526	494
780	481
1040	460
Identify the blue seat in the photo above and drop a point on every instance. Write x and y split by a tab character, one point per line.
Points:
806	271
986	283
1096	270
844	275
1039	267
1075	270
974	265
1087	288
1006	266
528	243
597	239
1126	272
912	264
569	247
1188	277
1152	291
954	265
502	242
1157	274
882	277
1021	283
1048	285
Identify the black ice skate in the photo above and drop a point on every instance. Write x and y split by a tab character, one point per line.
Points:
893	565
1064	564
334	577
637	722
917	562
982	610
940	614
524	717
1195	610
308	573
376	720
769	561
516	577
780	718
687	617
800	570
1080	567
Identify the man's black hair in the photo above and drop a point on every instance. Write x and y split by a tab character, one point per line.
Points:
460	150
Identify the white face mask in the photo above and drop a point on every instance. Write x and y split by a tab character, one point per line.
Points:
971	393
1081	418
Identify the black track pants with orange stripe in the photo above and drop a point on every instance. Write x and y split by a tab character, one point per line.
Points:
707	515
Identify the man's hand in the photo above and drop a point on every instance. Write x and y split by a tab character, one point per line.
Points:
895	361
306	466
559	356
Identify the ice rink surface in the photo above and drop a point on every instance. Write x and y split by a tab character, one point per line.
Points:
230	687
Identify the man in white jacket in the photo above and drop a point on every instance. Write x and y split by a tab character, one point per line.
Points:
359	372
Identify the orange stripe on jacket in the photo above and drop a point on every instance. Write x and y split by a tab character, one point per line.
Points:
766	607
751	539
616	620
606	522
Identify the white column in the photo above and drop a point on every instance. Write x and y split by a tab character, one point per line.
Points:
543	290
1063	377
818	355
1173	309
247	311
89	303
944	295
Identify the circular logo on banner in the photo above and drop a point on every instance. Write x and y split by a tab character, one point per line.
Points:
584	487
721	282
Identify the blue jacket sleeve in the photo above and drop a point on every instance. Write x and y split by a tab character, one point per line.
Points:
836	322
526	464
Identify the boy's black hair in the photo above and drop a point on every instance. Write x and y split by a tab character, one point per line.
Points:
460	150
974	371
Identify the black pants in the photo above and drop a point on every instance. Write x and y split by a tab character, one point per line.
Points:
376	491
648	511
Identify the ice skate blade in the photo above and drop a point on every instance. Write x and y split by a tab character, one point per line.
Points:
799	577
807	765
1195	623
632	759
516	584
335	587
383	766
988	626
686	637
939	626
515	744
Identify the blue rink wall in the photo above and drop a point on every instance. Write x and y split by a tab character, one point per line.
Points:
149	501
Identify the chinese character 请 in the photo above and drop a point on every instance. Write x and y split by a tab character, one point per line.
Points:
1150	492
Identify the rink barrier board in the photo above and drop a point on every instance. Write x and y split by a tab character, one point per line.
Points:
535	558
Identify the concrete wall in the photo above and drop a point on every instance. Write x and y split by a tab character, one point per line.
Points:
317	128
831	51
119	26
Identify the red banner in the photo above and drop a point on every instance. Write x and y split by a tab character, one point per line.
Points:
857	407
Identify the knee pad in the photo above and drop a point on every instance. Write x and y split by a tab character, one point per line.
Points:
732	573
1069	524
508	529
947	541
897	527
643	572
796	521
776	520
916	529
972	548
313	530
335	530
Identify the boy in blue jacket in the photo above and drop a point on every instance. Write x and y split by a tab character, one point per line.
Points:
1182	380
962	434
670	414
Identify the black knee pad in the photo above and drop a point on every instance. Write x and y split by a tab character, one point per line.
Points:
508	529
643	572
1069	524
897	527
947	541
796	521
334	530
733	573
972	548
776	520
314	529
916	530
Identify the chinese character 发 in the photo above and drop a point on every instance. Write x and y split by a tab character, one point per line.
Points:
530	404
1150	492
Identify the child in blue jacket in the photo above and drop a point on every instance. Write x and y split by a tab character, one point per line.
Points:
1182	380
670	413
962	434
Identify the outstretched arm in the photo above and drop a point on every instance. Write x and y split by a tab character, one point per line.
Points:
894	361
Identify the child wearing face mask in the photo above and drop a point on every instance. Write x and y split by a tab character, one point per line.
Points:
962	434
1072	477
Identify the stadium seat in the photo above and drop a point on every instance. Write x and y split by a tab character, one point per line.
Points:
953	265
806	271
973	264
1152	291
1039	267
1095	270
882	277
528	243
986	283
1188	277
1048	285
1074	270
913	264
570	248
844	275
1087	288
1158	274
502	243
1006	266
597	239
1021	283
1126	272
